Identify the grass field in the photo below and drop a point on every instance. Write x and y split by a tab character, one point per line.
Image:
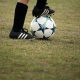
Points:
55	59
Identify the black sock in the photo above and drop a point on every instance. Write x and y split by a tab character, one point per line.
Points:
19	17
41	3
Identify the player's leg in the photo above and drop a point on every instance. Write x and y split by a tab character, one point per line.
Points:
41	9
24	1
17	31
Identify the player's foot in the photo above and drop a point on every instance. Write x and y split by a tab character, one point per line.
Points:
42	12
21	35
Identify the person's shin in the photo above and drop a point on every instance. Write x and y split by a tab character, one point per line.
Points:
19	16
41	3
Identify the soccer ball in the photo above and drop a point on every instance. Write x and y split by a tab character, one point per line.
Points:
43	27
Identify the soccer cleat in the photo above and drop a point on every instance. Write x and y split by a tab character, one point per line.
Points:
21	35
42	12
47	11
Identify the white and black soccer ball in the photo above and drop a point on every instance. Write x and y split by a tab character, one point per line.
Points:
43	27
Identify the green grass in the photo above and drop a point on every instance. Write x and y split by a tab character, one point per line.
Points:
55	59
